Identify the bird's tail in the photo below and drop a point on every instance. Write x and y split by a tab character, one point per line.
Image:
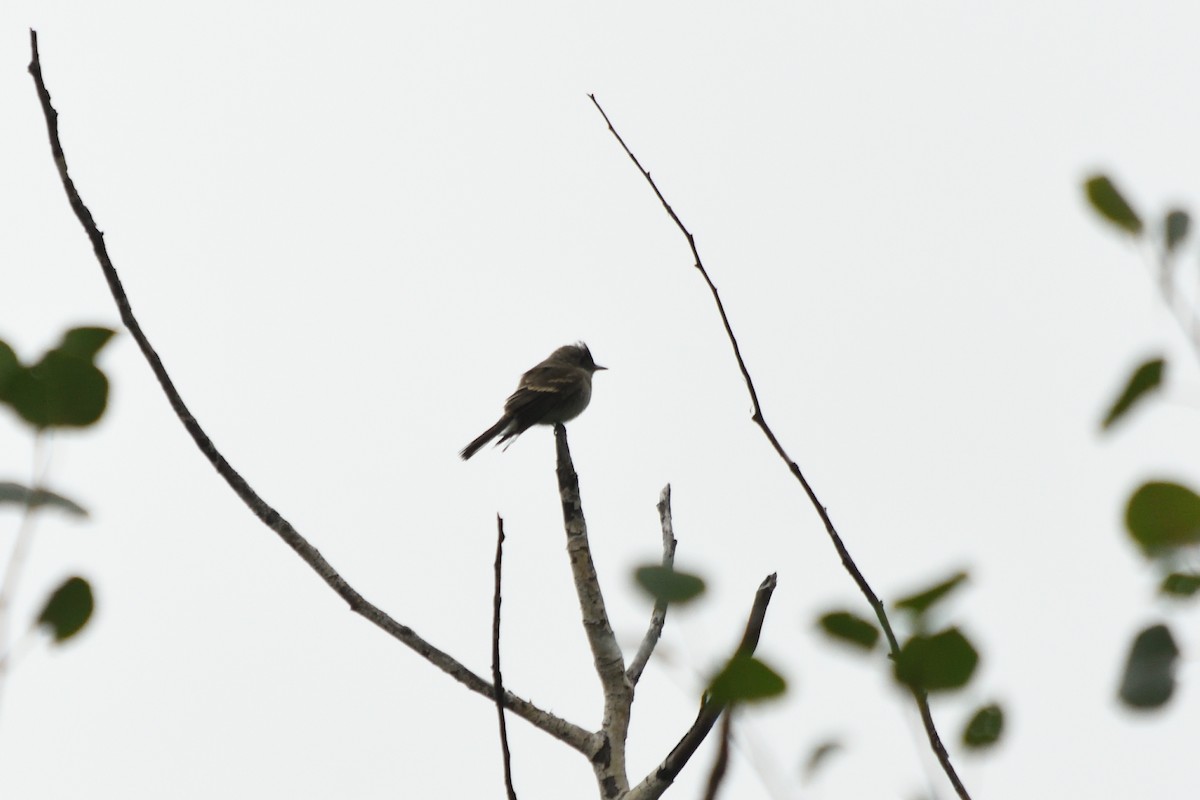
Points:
484	438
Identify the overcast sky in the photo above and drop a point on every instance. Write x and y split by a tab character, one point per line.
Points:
348	228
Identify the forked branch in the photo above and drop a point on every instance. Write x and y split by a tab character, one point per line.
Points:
609	761
605	749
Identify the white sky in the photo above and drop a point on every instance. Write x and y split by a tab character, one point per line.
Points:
349	227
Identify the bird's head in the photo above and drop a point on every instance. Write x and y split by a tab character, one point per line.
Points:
577	355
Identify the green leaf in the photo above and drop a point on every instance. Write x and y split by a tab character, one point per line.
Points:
937	662
1146	378
1175	228
1163	516
65	388
68	609
985	727
9	366
60	390
1180	584
819	755
1149	679
1111	204
850	628
84	342
11	492
668	586
745	679
922	601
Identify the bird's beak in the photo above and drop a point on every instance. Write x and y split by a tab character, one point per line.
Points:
597	367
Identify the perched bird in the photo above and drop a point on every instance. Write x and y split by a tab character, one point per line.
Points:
556	390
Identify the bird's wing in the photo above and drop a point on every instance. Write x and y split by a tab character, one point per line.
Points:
542	390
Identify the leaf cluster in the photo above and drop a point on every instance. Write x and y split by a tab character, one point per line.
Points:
933	657
62	389
1162	517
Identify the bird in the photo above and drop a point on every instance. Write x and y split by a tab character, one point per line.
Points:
556	390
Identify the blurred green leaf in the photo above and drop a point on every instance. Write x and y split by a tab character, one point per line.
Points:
1163	516
11	492
1147	377
819	755
65	388
68	609
84	342
1175	228
985	727
937	662
745	679
850	628
60	390
1111	204
667	585
920	602
1149	678
9	366
1180	584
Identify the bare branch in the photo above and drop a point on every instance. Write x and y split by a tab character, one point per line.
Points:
918	694
658	617
657	782
609	762
497	680
567	732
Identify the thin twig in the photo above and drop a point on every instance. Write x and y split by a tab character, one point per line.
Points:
567	732
497	680
18	555
658	616
609	762
721	762
851	567
658	781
